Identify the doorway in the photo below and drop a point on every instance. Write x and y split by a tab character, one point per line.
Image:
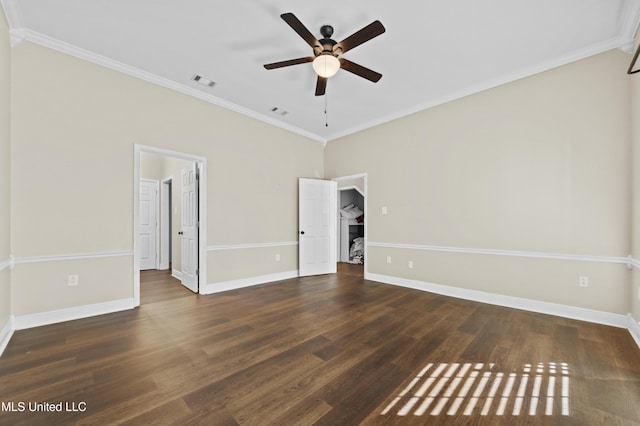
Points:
352	226
177	215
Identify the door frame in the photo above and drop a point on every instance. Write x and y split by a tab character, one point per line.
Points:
364	178
201	165
165	223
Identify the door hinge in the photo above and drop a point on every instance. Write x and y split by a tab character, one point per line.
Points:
198	272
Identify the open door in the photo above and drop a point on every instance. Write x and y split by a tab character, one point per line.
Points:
148	224
189	230
317	227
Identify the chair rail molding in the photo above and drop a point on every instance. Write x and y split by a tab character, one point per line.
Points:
75	256
517	253
250	245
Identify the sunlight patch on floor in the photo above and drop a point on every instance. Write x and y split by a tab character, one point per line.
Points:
475	388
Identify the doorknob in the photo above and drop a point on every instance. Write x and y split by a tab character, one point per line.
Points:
180	232
301	232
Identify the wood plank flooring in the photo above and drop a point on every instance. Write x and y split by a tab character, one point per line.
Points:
326	350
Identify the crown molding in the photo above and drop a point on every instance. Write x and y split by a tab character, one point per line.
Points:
77	52
17	36
12	12
17	32
625	41
630	26
595	49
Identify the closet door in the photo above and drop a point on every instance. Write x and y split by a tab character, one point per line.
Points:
190	228
317	227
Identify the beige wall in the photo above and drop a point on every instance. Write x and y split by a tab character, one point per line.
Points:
635	161
74	130
151	166
5	126
539	165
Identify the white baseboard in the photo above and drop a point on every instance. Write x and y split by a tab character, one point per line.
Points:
573	312
634	328
51	317
247	282
176	274
5	334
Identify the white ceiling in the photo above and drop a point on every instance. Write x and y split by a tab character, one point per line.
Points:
432	51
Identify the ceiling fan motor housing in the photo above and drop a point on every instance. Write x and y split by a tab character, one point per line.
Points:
327	42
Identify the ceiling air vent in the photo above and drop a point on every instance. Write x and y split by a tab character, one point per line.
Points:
279	111
203	80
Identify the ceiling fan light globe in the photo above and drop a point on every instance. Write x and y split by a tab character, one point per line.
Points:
326	65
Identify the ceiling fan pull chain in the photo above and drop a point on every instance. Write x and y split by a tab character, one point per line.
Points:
326	114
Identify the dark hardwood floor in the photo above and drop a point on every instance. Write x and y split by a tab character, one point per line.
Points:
327	350
159	286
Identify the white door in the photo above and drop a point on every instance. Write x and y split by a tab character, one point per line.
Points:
148	225
190	228
317	222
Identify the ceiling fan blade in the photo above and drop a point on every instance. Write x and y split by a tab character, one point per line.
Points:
321	86
372	30
359	70
302	31
288	63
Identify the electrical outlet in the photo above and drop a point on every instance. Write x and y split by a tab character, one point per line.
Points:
583	281
277	257
72	280
388	259
411	264
384	210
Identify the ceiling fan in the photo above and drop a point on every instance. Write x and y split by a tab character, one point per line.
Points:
326	51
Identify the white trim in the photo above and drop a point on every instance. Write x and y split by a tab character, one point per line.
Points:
12	13
633	263
64	257
165	228
351	177
531	254
17	36
630	26
350	187
251	245
69	49
18	33
573	312
6	264
593	50
5	334
248	282
634	328
22	322
176	274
